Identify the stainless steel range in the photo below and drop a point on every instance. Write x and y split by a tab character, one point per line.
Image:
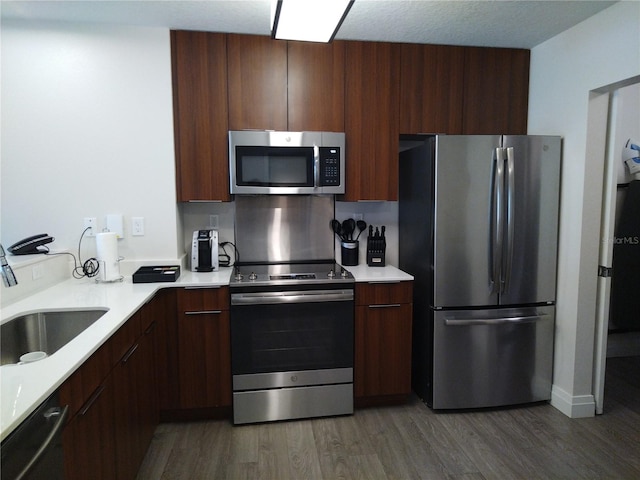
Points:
291	320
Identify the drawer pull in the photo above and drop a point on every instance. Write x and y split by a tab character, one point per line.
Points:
150	328
204	312
130	352
388	305
92	399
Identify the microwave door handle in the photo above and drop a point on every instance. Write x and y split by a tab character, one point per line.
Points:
316	166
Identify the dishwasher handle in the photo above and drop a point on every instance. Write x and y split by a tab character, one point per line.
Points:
292	296
61	413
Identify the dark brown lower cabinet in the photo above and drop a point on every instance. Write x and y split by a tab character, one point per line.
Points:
89	438
383	325
204	348
108	435
135	404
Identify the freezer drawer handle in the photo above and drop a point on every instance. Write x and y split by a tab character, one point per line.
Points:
457	322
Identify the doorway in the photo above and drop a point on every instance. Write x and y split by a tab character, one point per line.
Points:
613	119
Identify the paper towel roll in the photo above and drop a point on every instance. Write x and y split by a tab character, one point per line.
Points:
107	255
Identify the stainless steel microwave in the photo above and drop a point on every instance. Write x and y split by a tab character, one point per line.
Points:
272	162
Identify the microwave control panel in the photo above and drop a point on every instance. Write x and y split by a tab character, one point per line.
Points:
329	166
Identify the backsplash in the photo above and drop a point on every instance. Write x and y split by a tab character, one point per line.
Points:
34	274
195	216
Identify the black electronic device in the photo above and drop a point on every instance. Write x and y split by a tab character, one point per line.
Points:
30	245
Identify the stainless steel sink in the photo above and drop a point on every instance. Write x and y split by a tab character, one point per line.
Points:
46	331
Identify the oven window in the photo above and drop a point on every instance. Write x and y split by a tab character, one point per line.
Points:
305	336
274	166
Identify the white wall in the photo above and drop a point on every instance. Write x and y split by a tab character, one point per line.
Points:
564	70
87	130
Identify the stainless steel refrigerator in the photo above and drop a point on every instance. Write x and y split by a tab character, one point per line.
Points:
478	229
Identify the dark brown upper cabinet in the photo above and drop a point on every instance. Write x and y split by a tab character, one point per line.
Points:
496	91
372	120
279	85
431	88
257	68
201	115
373	91
315	78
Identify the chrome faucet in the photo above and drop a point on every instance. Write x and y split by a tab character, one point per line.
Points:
8	277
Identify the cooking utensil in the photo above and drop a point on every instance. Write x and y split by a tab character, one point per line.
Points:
352	228
347	229
337	228
362	225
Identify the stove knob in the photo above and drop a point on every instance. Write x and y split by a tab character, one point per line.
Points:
344	274
253	276
331	274
239	276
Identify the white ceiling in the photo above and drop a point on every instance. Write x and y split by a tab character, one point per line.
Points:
518	24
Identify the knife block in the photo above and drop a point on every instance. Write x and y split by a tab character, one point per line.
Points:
376	250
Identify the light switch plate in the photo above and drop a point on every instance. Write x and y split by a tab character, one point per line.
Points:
115	224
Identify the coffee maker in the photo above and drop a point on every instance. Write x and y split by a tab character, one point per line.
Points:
204	251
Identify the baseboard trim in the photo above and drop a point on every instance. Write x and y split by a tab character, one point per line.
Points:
573	406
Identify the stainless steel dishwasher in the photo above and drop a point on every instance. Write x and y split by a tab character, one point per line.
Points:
34	450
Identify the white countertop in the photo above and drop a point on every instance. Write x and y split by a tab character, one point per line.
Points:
24	387
363	273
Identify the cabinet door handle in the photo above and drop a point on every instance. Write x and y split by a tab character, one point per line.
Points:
204	312
150	328
386	305
203	287
92	399
130	352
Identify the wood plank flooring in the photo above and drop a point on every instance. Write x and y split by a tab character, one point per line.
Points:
413	442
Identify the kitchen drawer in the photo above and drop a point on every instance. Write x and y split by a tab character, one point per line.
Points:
77	389
384	293
200	299
85	380
124	338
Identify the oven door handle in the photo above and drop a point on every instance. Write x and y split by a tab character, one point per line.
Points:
304	296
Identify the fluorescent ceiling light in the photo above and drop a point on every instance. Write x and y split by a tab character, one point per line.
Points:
307	20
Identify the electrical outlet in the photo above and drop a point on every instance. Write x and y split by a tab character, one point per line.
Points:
137	226
213	222
92	224
37	271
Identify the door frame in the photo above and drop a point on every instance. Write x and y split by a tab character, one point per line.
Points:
603	110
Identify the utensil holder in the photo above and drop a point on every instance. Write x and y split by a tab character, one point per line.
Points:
350	252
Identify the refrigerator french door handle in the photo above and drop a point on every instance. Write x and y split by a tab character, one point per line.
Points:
496	214
460	322
510	220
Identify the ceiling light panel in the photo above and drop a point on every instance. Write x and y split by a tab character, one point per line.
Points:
308	20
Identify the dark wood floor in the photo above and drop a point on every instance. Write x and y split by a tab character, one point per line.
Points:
413	442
